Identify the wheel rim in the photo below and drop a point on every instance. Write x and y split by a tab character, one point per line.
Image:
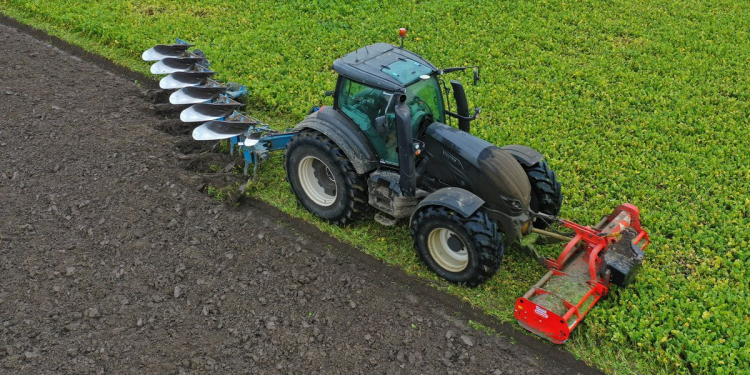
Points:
317	181
448	250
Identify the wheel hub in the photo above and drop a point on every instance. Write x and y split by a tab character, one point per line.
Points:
454	244
317	181
447	249
324	177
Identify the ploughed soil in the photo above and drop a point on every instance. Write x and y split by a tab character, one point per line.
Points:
113	260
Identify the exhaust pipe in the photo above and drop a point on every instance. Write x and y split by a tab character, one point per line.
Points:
408	179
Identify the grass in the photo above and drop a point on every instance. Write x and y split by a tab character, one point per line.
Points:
636	101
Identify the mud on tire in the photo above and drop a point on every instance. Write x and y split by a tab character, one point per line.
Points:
546	194
460	250
323	180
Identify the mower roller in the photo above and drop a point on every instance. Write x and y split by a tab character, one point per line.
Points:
608	253
387	146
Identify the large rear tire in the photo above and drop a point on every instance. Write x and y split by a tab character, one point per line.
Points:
461	250
323	180
546	193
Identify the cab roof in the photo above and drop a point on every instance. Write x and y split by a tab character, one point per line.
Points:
383	66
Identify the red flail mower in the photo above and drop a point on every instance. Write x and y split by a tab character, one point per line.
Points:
611	252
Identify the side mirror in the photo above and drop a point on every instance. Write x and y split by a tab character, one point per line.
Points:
329	93
476	75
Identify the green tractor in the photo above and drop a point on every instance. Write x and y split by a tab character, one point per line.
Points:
384	148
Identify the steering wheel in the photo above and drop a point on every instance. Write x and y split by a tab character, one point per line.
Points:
365	104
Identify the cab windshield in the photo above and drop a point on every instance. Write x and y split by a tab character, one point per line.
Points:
424	96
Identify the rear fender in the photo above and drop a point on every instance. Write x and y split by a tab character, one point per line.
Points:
344	134
526	156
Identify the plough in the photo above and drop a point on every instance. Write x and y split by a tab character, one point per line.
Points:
387	146
212	103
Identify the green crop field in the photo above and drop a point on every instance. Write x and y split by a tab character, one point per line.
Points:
632	101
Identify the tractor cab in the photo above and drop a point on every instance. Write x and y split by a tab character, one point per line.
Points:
371	81
393	99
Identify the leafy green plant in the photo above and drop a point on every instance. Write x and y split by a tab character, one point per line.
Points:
645	102
218	194
483	328
223	193
224	147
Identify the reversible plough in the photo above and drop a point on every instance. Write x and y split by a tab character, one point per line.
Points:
386	146
211	102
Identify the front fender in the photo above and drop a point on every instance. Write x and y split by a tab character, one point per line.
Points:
460	200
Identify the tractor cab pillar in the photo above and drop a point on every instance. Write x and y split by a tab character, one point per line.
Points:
408	180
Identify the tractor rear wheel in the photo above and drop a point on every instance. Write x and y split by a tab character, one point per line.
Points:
323	180
460	250
546	194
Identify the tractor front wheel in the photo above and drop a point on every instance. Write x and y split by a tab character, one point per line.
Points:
460	250
323	179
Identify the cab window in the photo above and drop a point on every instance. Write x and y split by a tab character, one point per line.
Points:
367	106
424	97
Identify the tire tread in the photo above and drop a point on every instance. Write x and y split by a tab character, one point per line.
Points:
487	241
546	190
354	185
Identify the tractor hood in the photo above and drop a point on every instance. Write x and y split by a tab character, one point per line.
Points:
457	158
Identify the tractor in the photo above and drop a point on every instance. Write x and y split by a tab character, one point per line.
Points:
385	149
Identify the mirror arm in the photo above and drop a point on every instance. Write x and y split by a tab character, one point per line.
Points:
477	111
476	69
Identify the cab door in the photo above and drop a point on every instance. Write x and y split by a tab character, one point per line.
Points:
372	110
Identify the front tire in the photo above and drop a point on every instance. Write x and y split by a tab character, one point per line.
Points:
323	180
546	193
461	250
